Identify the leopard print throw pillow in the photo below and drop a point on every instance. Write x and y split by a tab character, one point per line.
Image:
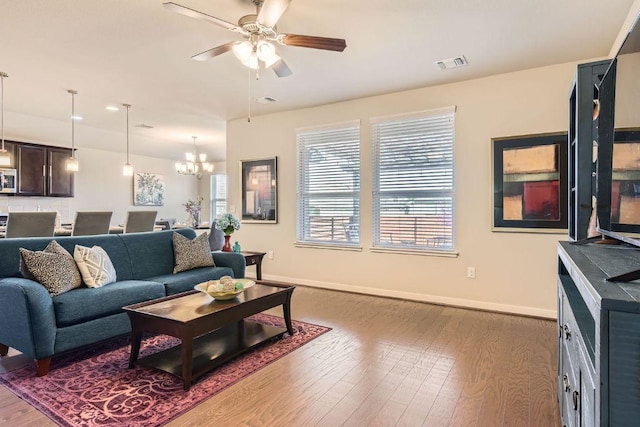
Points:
191	254
53	267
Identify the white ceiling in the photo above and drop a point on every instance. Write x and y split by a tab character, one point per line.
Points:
137	52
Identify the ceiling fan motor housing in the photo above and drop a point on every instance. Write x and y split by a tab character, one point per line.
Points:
251	26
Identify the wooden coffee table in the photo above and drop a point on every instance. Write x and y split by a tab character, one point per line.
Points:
211	332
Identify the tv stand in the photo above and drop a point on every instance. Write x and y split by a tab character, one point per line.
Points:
598	339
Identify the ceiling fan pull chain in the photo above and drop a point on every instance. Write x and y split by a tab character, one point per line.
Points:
249	100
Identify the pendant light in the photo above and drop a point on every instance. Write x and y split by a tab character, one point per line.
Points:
5	157
127	169
72	162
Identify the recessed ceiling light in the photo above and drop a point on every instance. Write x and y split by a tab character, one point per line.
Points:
112	108
76	118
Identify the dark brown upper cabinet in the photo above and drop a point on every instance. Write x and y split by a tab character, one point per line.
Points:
42	171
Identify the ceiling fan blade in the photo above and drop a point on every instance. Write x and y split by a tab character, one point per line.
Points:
314	42
218	50
202	16
281	68
271	11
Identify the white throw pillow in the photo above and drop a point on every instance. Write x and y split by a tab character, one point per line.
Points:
95	266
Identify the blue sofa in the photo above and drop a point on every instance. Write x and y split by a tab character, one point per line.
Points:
41	326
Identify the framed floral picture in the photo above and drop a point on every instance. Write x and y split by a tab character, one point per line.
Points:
259	190
148	189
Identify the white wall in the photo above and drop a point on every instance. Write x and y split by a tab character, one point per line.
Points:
516	272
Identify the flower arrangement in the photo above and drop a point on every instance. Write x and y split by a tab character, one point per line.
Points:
227	223
193	208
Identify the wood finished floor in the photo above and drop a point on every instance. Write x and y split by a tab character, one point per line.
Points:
385	363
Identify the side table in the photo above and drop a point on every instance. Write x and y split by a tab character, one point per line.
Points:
254	258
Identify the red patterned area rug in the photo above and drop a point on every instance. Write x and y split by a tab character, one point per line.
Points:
94	387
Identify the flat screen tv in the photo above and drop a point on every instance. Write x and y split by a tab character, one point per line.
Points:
618	146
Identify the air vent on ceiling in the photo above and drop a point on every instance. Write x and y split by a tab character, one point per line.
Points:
455	62
266	100
144	126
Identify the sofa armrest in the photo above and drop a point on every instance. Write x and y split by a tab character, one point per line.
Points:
27	317
233	260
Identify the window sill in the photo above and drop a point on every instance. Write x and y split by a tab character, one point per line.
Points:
445	254
331	246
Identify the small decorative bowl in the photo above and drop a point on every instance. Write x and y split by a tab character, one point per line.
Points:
221	296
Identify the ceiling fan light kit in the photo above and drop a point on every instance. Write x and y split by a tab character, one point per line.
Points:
259	31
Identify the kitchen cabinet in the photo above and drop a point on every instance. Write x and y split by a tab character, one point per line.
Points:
42	171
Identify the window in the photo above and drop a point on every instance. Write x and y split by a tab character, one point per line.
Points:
218	195
413	181
328	186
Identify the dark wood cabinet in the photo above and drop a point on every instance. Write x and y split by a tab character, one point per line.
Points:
583	136
61	181
31	163
42	171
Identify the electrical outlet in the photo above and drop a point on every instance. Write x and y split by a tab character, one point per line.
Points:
232	209
270	254
471	272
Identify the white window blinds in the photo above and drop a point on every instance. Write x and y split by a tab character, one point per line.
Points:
328	185
413	190
218	195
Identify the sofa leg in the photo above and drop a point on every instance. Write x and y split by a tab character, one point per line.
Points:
42	366
4	349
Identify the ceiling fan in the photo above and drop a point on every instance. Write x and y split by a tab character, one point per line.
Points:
260	32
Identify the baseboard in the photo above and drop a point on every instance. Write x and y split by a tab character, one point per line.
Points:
411	296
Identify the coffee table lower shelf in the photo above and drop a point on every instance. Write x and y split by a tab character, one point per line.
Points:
214	349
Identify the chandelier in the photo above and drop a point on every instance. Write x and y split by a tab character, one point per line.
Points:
196	164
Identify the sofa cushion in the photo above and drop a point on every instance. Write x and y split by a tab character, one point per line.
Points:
53	267
83	304
190	254
94	265
186	280
151	253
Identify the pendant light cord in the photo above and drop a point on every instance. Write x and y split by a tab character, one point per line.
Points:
2	76
73	121
249	99
127	107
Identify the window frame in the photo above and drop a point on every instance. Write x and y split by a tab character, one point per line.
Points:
431	245
303	229
213	195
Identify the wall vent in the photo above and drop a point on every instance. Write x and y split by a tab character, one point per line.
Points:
266	100
455	62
